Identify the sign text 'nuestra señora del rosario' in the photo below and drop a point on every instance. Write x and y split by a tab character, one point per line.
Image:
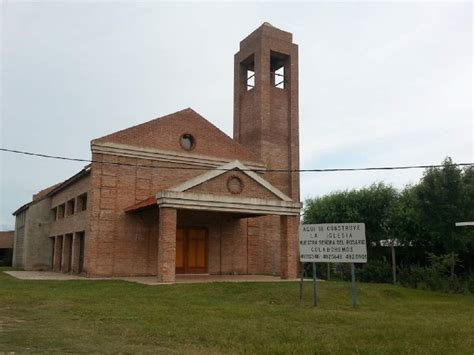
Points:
334	242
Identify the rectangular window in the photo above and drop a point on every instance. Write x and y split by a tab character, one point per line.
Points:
278	63
280	78
247	70
54	212
70	207
250	79
61	209
82	202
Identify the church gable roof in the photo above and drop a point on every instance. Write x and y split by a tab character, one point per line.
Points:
165	134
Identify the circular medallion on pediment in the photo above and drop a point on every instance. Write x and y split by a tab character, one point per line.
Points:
235	185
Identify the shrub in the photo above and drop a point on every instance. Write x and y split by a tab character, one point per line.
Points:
470	284
438	276
375	271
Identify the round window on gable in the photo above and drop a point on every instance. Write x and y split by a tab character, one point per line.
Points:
187	141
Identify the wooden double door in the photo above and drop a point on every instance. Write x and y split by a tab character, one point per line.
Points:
191	250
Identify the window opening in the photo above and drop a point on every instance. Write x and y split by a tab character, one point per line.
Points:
279	78
187	141
278	62
70	207
82	202
61	209
247	68
250	79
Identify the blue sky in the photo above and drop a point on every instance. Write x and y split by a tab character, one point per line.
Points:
380	83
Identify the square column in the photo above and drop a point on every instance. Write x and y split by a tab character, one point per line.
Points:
289	247
167	245
58	251
75	253
66	250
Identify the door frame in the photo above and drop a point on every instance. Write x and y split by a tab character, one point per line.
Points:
184	269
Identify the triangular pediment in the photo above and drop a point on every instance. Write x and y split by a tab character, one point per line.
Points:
164	134
234	179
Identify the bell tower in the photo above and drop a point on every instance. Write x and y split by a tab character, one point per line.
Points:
266	103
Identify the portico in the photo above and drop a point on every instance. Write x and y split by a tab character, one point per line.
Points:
218	233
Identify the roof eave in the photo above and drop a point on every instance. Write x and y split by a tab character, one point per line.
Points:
70	181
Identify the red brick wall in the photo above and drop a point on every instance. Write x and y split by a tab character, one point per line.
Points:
209	140
127	243
123	243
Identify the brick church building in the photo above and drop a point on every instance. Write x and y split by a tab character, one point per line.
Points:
177	195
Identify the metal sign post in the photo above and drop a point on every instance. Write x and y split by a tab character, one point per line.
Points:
354	289
315	299
301	283
394	265
393	243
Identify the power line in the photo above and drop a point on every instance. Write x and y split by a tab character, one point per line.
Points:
254	170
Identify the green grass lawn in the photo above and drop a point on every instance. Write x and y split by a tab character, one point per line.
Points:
117	316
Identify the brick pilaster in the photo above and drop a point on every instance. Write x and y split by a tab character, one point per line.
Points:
289	247
58	250
167	245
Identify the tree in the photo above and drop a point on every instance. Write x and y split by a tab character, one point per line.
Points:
371	205
443	197
422	215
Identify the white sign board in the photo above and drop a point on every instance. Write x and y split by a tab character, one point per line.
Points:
333	243
464	224
390	243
